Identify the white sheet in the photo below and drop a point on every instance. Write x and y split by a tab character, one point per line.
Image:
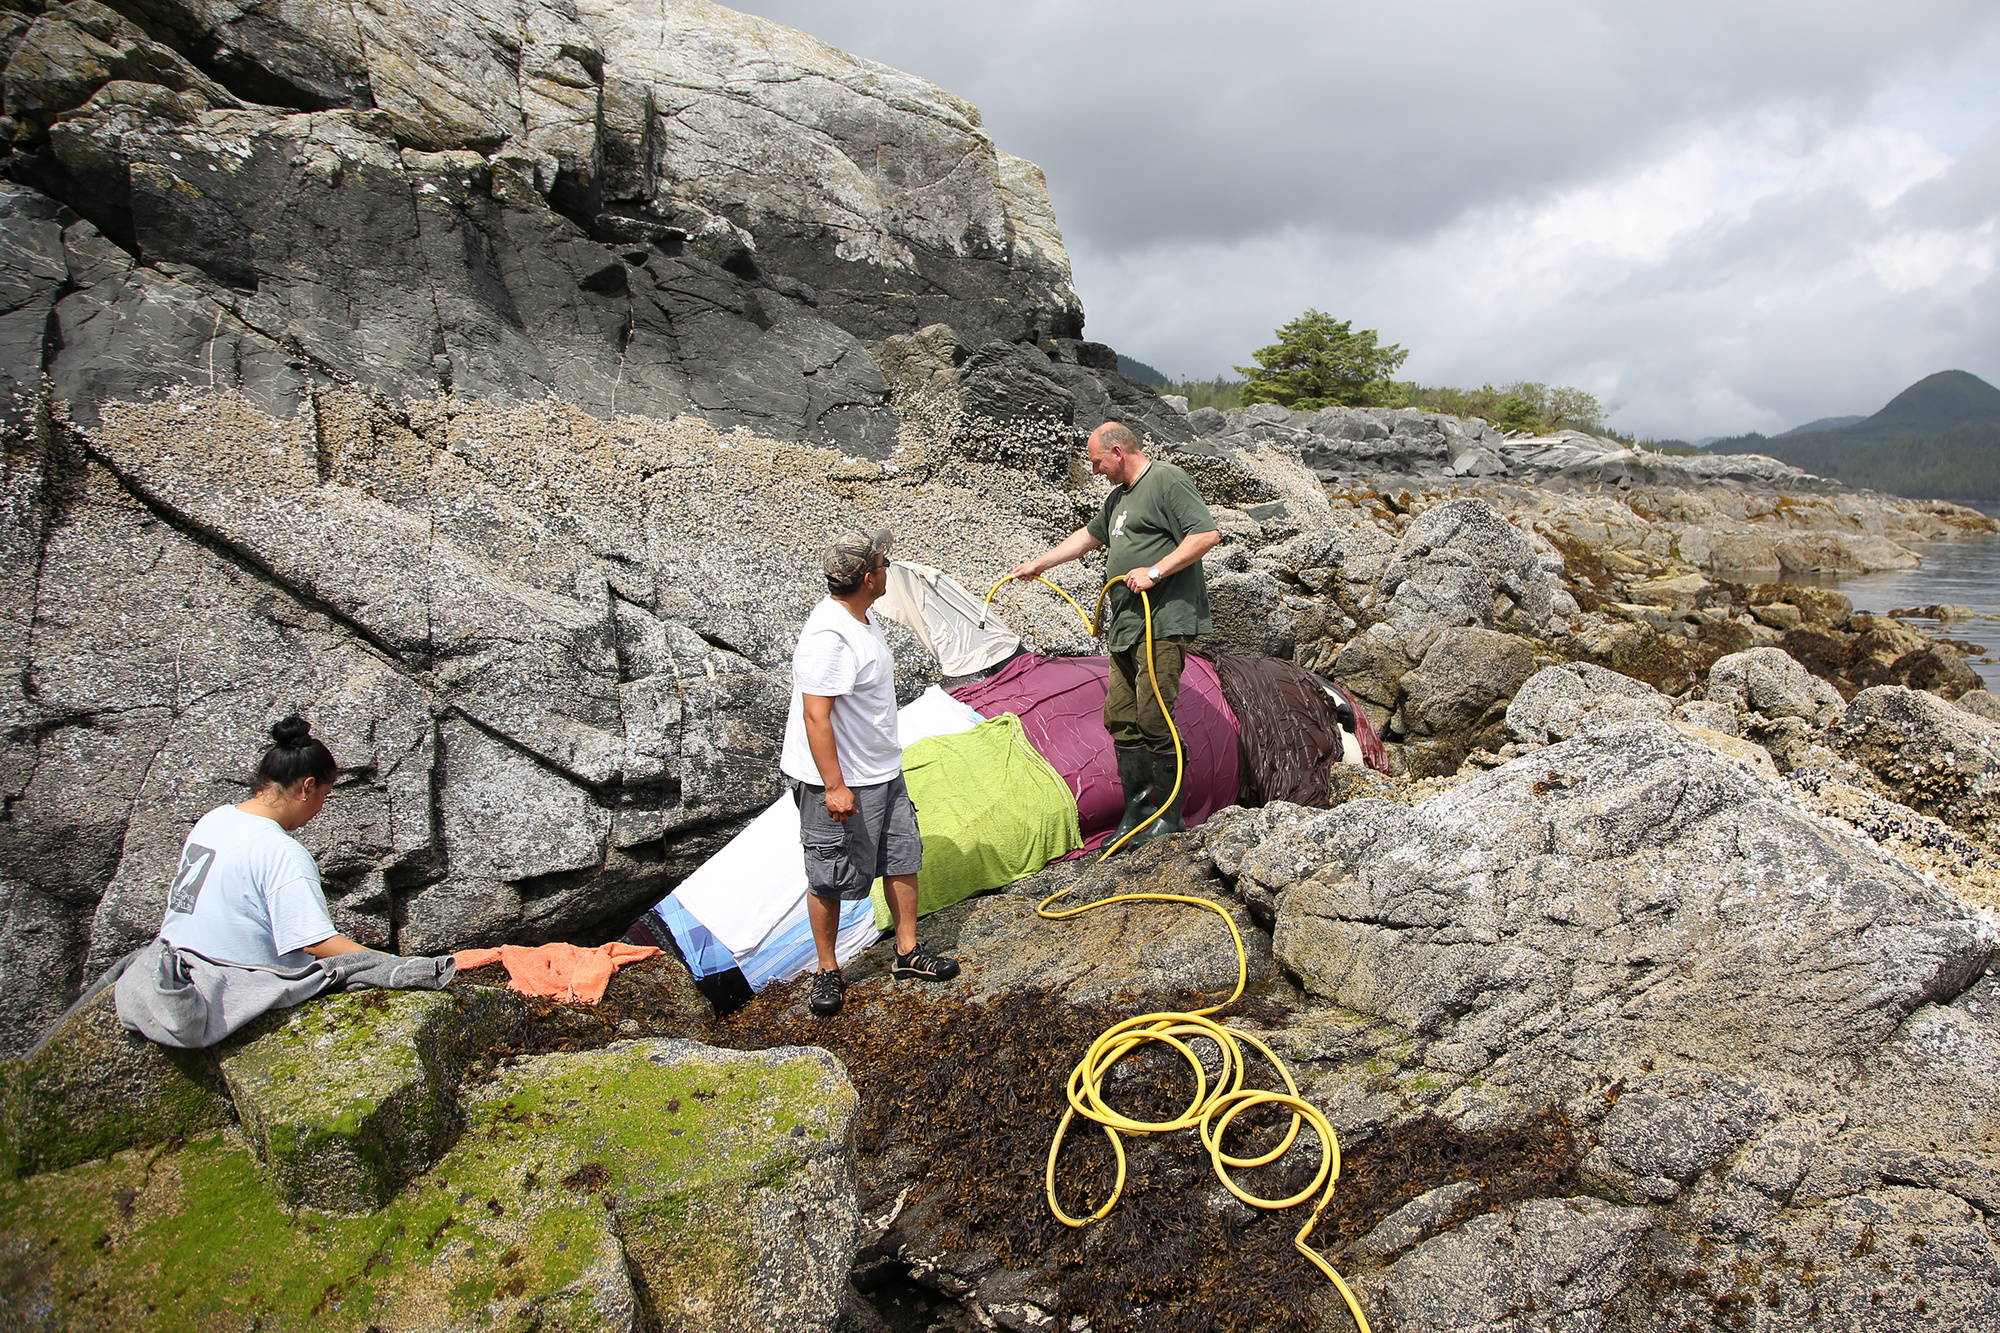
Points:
789	951
963	634
748	892
934	713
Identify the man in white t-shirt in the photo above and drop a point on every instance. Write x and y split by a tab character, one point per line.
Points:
844	763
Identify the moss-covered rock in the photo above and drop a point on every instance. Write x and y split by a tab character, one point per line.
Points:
730	1174
93	1244
93	1089
346	1098
656	1183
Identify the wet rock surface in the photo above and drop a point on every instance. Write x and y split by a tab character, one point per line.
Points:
1553	1263
1123	952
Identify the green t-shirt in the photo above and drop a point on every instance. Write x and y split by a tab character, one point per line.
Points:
1140	525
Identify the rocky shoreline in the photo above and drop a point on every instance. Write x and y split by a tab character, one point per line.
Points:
1665	849
488	402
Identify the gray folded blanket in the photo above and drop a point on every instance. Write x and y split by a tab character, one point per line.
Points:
178	997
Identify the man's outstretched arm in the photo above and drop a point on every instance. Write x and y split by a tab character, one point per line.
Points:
1077	544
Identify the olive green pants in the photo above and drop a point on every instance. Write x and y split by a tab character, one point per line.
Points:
1131	713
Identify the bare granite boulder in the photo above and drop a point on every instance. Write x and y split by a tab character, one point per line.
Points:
1372	664
1484	919
1551	1264
1768	1032
1463	563
1771	683
1465	672
1561	701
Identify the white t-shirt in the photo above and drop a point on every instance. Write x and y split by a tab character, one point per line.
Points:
246	892
850	662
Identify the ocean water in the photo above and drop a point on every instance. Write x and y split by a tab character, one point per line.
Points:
1960	573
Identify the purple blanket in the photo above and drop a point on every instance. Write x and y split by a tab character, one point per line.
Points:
1060	701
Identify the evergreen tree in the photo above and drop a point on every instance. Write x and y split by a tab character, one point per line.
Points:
1319	361
1517	413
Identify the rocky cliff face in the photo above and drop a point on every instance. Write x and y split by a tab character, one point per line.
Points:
334	237
651	208
550	653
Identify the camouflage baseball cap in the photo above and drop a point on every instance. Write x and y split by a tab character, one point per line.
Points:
854	554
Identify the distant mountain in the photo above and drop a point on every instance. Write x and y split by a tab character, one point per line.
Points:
1140	371
1824	423
1933	404
1937	439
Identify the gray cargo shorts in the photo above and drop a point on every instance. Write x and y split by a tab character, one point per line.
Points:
879	839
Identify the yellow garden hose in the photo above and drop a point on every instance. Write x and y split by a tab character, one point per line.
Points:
1209	1111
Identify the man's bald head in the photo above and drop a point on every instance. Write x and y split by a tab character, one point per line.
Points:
1115	454
1115	434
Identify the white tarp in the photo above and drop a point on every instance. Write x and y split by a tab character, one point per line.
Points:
748	892
963	635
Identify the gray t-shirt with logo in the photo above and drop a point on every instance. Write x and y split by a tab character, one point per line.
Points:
245	892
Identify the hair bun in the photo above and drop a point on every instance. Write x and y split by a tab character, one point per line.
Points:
291	732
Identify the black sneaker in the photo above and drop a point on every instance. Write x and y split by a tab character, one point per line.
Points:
921	962
829	992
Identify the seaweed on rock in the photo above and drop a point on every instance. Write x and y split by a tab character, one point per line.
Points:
972	1088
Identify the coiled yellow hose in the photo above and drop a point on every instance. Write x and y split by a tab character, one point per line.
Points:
1209	1112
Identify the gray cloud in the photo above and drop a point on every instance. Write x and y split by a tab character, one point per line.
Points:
1719	216
1967	195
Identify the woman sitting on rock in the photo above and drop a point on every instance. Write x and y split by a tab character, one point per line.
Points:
246	891
246	928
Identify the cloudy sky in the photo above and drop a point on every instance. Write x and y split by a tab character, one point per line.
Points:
1717	216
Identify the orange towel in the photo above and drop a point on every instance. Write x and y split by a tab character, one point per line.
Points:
559	971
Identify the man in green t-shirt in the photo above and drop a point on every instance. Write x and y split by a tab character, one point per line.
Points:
1157	530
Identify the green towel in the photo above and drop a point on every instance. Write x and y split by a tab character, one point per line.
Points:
991	810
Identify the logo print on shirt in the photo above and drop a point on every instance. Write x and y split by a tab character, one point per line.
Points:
1118	525
186	887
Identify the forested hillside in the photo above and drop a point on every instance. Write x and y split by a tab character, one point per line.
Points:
1938	439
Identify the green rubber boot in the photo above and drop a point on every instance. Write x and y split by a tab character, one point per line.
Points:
1135	774
1170	821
